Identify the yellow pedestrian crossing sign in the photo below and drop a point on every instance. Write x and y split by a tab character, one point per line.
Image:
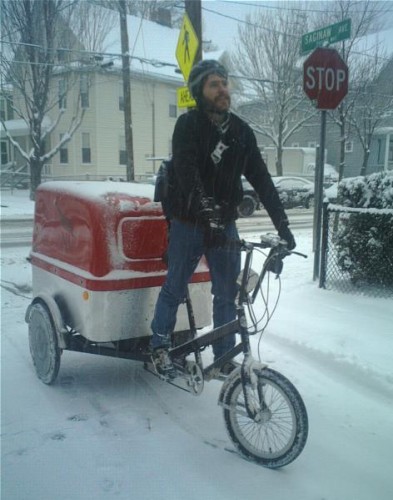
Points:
187	47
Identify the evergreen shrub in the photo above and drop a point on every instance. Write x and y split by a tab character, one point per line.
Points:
365	236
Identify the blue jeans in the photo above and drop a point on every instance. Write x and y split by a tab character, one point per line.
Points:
186	247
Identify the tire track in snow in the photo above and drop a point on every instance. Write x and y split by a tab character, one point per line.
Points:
361	377
193	430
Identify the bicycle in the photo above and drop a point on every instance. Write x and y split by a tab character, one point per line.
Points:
264	413
93	287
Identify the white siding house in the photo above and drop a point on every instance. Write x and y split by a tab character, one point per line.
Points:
97	150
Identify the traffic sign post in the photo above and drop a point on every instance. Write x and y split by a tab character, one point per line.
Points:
325	81
327	35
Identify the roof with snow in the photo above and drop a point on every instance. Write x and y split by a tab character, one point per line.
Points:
152	48
19	127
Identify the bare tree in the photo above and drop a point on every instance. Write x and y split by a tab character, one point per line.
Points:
33	31
366	16
91	24
268	54
44	42
154	10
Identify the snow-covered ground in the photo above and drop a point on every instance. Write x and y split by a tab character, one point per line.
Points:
108	429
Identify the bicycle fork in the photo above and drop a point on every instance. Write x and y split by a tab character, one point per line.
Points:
248	372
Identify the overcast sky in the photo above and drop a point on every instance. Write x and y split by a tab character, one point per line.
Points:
220	23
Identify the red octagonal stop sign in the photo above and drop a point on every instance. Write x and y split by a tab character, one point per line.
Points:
325	78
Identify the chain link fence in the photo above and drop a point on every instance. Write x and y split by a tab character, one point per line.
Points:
357	251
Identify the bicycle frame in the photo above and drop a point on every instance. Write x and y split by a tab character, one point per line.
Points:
239	325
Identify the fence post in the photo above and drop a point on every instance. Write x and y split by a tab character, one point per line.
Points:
324	245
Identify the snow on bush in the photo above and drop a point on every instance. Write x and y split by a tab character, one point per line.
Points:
365	236
371	191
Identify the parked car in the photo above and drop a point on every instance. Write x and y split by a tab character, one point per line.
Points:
331	193
295	191
250	201
330	174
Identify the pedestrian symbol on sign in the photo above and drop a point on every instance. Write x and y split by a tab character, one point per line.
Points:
186	41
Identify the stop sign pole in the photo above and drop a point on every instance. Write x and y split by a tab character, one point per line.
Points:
325	81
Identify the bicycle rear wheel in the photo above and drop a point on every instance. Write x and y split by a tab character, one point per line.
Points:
278	433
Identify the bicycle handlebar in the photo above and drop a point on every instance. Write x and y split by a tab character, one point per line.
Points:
270	241
278	249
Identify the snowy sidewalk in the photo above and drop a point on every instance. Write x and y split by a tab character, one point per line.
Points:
16	205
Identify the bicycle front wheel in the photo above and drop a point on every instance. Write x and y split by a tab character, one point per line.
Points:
278	432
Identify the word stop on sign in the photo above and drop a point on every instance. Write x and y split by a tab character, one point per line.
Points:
318	78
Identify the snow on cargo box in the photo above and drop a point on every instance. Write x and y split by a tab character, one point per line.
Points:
97	251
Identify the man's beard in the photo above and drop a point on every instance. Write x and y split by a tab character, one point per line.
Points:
211	107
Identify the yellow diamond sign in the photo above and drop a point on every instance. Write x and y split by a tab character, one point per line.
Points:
187	47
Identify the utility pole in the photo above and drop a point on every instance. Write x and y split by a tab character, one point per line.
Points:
125	48
194	12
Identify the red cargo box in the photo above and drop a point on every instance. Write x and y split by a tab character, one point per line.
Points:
97	251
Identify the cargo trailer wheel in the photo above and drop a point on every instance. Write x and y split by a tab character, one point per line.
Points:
44	347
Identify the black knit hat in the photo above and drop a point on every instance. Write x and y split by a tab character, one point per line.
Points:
200	72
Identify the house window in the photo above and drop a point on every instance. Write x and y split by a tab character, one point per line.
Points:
122	150
62	94
2	109
348	146
86	151
4	153
121	97
172	105
63	152
84	91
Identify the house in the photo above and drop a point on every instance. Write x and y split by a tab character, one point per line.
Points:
93	84
381	150
97	149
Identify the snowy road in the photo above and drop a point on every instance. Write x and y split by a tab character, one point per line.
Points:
18	232
108	429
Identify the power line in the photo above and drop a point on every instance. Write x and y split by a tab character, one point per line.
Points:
248	23
296	9
91	67
153	62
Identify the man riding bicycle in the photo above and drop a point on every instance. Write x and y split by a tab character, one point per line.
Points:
212	149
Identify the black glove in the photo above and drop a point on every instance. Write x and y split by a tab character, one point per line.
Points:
285	234
275	264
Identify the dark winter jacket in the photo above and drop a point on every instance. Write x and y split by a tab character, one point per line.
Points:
209	163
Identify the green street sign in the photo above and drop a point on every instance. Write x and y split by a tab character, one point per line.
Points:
326	36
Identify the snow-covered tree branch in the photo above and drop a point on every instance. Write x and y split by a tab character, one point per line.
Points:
42	47
268	54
